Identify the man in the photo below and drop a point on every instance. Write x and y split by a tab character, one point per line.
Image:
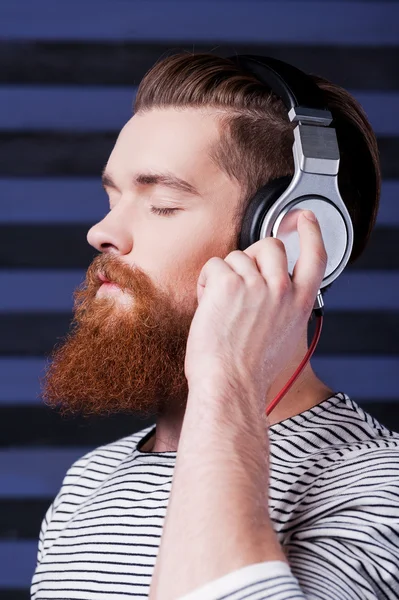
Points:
174	322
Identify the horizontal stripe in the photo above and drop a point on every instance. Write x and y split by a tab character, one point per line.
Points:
23	426
51	291
46	108
82	200
18	561
370	380
360	333
34	473
20	519
43	247
125	63
20	380
54	153
39	290
33	246
16	593
366	377
33	426
363	291
388	212
38	470
205	20
85	154
388	150
58	200
63	108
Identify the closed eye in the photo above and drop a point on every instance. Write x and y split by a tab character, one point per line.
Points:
163	211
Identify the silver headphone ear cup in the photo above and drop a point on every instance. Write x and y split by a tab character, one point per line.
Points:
332	223
333	228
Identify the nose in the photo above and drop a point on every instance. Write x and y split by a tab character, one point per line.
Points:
112	234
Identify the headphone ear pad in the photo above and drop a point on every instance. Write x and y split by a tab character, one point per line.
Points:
257	208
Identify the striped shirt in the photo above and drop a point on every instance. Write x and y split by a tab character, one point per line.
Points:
334	503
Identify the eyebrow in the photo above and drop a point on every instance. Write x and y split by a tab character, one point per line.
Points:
166	179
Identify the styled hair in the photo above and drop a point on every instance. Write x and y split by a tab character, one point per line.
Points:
256	136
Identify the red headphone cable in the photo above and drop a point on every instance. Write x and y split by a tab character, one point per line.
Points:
304	362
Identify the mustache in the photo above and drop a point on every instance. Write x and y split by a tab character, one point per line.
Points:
115	271
129	278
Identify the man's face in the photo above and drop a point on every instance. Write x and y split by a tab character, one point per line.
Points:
127	345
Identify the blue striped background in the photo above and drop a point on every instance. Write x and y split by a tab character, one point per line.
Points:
37	472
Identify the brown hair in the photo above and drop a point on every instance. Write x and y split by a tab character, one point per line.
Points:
256	135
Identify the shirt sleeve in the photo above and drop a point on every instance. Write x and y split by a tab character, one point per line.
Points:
341	546
271	579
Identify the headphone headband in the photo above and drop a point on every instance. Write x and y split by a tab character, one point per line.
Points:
293	86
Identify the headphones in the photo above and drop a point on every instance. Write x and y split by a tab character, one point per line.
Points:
314	185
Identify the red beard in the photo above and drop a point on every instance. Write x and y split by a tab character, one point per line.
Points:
119	358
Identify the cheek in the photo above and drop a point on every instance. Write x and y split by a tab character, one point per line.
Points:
193	247
175	255
185	261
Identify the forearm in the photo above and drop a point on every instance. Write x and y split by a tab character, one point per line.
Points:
217	519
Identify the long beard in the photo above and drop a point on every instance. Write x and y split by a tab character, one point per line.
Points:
119	356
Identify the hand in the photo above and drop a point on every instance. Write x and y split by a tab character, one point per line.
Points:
251	314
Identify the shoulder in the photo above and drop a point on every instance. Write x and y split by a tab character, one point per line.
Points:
359	436
91	469
361	465
81	479
335	443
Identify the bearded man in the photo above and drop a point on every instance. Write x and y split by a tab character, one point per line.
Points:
173	321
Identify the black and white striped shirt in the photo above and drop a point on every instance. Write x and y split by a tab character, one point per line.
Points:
334	502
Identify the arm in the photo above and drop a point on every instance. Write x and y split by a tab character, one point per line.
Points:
217	519
250	318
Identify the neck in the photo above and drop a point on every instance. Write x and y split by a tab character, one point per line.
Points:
305	393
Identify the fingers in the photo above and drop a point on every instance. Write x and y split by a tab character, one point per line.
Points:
243	265
270	258
311	265
214	269
267	260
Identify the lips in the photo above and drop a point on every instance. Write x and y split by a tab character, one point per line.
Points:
106	284
103	278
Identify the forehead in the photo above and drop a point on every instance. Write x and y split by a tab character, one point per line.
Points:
178	140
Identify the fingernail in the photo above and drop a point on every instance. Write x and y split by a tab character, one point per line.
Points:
310	216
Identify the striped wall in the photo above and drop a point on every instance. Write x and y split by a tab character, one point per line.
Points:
68	75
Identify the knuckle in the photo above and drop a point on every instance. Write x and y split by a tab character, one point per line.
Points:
208	267
277	242
231	282
282	286
273	242
256	283
212	262
234	253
